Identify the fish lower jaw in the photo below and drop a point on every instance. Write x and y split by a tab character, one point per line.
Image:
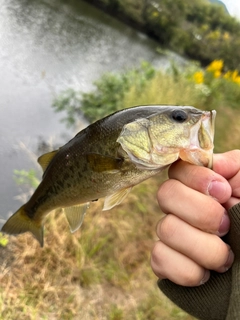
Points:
197	156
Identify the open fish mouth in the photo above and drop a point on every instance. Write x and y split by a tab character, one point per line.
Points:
201	141
206	135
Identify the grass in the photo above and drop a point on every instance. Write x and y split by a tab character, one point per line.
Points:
165	89
100	272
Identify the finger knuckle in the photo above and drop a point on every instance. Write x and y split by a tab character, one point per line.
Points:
166	191
157	260
155	253
210	218
219	255
194	275
167	227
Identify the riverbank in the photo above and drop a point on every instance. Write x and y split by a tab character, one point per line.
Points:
130	15
197	30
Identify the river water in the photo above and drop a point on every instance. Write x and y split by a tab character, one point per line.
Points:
47	46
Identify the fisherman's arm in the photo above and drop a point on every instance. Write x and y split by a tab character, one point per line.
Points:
195	200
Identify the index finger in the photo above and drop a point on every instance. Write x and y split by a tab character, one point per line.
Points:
201	179
193	207
227	164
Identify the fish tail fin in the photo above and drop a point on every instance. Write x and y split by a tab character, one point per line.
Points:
20	222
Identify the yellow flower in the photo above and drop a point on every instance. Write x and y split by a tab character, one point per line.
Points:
215	65
237	80
217	74
236	77
198	77
232	76
227	75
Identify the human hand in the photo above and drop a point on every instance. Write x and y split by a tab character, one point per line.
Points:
195	200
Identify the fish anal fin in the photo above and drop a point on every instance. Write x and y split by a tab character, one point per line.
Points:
115	198
46	158
19	222
102	163
75	215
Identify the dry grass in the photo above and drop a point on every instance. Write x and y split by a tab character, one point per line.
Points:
100	272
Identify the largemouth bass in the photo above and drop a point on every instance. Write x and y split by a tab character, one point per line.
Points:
109	157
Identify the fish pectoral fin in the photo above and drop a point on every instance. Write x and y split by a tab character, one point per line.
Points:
100	163
75	215
116	198
46	158
19	222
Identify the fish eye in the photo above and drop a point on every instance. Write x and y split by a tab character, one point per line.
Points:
179	116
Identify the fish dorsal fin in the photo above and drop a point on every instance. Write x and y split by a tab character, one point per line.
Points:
75	215
46	158
100	163
116	198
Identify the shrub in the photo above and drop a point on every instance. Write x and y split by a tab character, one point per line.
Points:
106	98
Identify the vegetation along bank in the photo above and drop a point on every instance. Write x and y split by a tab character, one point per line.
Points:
197	29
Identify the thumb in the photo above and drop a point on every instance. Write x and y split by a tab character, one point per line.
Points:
227	164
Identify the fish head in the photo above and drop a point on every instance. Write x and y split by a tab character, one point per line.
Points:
169	134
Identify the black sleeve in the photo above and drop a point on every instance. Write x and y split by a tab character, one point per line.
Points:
219	298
